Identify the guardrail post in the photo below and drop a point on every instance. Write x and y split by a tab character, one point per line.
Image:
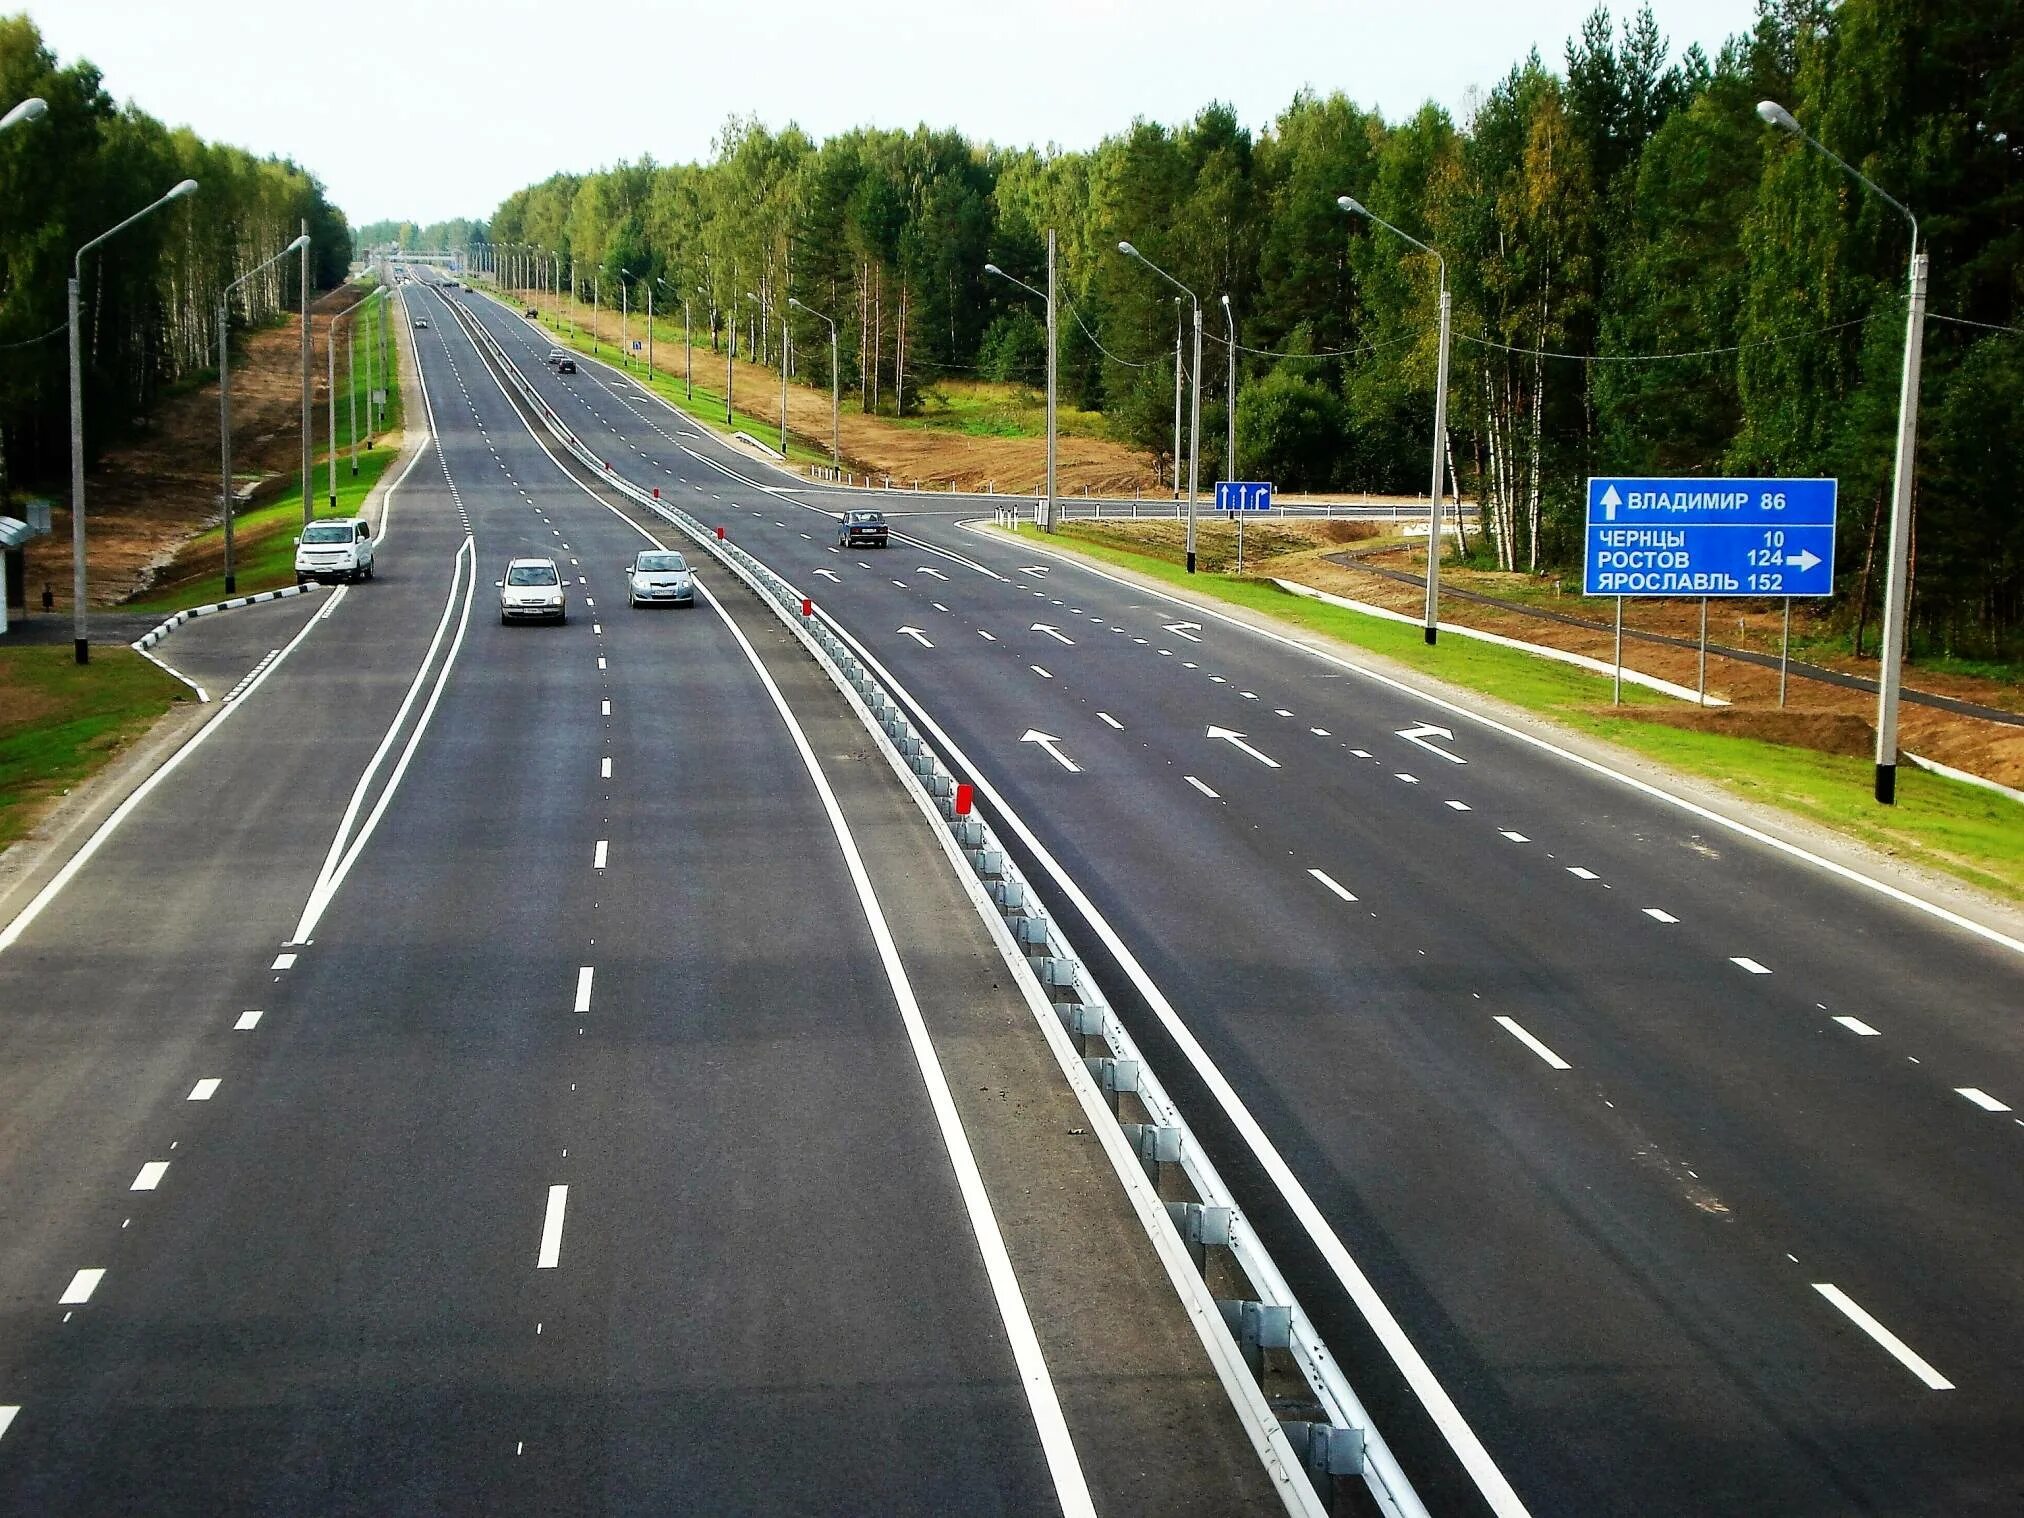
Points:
1257	1327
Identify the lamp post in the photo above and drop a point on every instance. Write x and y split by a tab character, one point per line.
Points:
688	368
1433	608
34	108
1195	424
1897	566
1230	445
835	387
761	304
351	365
308	389
80	625
650	328
1047	300
225	400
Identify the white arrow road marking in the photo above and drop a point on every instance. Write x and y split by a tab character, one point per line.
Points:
1180	630
1236	741
1054	633
917	635
926	570
1610	501
830	574
1049	742
1897	1348
1033	569
1419	736
1806	558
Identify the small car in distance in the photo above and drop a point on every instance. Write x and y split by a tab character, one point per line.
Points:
555	355
861	529
532	313
532	592
334	548
660	577
421	323
565	365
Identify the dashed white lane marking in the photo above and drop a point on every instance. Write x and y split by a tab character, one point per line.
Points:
600	661
604	709
1249	695
1744	961
1514	837
283	961
8	1414
1110	721
150	1176
81	1286
1319	732
598	862
205	1089
1458	806
1981	1099
1213	796
551	1229
604	768
1408	779
1040	672
596	628
1897	1348
1333	884
1657	914
583	979
247	1021
985	636
1582	874
1857	1026
1511	1026
1280	711
1361	753
1217	680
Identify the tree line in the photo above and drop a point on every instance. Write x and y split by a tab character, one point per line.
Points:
1646	278
149	299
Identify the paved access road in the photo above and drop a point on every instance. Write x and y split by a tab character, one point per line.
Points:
1687	1164
472	1080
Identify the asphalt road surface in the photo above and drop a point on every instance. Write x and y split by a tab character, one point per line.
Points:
476	1077
1686	1163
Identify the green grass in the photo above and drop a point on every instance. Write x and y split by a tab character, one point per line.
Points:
1961	830
984	408
60	721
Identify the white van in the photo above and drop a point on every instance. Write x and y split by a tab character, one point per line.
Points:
334	548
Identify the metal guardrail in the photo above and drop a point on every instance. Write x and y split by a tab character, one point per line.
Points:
1325	1424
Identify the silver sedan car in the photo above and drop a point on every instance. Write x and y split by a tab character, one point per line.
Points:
660	577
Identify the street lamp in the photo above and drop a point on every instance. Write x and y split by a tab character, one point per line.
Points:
835	387
1897	576
1046	299
80	625
761	304
1195	424
688	355
351	367
1433	608
31	109
1230	447
225	398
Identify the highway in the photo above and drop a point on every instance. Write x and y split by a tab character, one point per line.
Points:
500	1069
1683	1156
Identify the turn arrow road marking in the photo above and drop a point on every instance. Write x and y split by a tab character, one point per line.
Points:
917	635
1052	632
926	570
1419	736
830	574
1049	742
1033	569
1236	741
1180	630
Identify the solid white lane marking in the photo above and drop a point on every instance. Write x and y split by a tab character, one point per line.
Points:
551	1229
283	962
1582	874
150	1176
583	979
604	769
204	1090
1201	787
8	1414
247	1021
1981	1099
1333	884
1458	806
81	1286
1898	1349
1657	915
1747	963
1110	721
1510	1026
598	862
1857	1026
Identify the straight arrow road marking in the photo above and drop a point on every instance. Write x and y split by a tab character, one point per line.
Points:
1180	630
830	574
1054	633
926	569
918	636
1033	569
1236	741
1419	736
1052	745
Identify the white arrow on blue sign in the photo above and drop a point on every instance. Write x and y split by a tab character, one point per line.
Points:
1710	537
1243	495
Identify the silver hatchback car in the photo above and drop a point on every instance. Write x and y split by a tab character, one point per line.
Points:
532	592
660	577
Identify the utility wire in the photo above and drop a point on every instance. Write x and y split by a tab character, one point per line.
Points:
32	341
1390	342
1652	358
1127	363
1962	321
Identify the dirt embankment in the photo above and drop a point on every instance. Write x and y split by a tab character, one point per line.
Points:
158	488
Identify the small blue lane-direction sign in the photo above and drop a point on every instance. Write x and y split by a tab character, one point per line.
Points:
1699	537
1243	495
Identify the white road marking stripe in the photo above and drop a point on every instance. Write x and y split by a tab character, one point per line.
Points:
596	629
1898	1349
1658	915
150	1176
1319	732
1582	874
1333	884
1981	1099
600	661
598	862
1040	672
985	636
1857	1026
583	979
283	962
1514	837
247	1021
1459	806
604	709
604	769
81	1286
7	1416
1111	721
1201	787
1747	963
551	1229
1280	711
204	1090
1510	1026
1408	779
1361	753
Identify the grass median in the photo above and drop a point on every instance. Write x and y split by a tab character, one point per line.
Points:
61	720
1971	834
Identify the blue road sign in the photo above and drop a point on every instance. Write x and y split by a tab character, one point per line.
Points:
1710	537
1243	495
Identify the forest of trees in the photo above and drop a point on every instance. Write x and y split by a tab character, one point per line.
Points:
1627	203
149	299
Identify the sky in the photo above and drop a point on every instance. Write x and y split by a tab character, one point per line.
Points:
443	109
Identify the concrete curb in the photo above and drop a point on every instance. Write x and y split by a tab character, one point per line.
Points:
148	640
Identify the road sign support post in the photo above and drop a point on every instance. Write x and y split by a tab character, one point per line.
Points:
1701	679
1784	651
1616	692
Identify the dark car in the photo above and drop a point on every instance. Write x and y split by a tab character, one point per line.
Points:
861	529
532	313
565	366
